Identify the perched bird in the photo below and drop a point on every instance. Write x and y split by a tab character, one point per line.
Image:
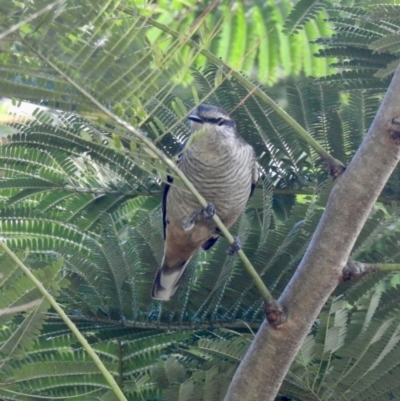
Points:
223	168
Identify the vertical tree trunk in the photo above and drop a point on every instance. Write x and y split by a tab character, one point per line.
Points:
266	363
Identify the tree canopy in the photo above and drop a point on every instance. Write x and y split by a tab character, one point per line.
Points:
80	191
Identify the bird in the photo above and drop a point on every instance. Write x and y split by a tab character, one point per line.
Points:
222	167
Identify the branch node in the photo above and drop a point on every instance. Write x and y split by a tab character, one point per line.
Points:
274	313
353	270
394	130
395	121
335	168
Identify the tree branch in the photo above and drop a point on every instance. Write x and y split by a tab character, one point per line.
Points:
265	365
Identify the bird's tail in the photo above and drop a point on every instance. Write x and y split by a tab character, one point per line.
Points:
167	280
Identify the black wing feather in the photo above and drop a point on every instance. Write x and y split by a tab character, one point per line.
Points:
164	202
253	187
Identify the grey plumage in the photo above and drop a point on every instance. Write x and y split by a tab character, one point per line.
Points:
222	167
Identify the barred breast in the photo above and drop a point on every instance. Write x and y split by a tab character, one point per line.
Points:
222	173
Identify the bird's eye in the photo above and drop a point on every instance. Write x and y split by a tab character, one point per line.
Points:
220	121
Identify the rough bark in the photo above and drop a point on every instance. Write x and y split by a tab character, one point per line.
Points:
265	365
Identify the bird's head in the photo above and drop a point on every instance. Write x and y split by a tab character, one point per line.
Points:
212	119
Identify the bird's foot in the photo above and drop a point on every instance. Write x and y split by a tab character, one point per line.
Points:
209	211
234	248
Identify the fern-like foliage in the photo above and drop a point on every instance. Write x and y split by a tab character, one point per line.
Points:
302	12
364	44
111	253
345	353
122	51
55	366
83	195
70	189
342	358
23	314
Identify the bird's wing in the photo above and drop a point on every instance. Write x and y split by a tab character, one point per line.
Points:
166	187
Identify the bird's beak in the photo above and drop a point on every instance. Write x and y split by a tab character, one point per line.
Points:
194	118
